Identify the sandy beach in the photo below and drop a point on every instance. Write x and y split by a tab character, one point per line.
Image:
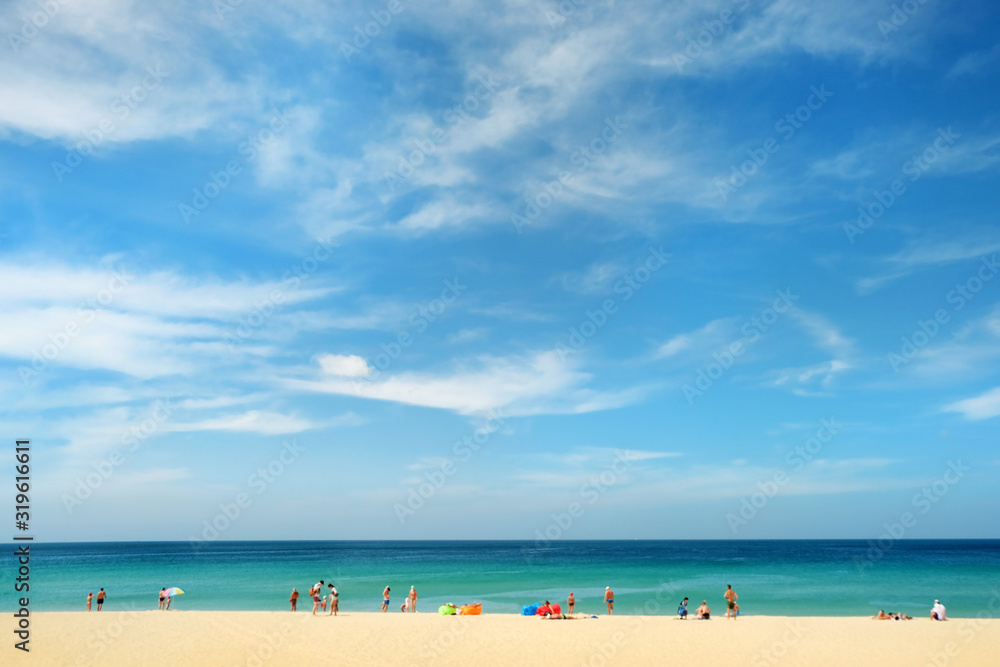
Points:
113	637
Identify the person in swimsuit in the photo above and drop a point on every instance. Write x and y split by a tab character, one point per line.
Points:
413	599
315	591
294	599
162	590
570	603
385	599
334	600
704	613
101	595
609	599
730	602
90	596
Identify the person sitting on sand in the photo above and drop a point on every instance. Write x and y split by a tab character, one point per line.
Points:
938	612
405	607
90	597
682	609
882	616
704	613
294	599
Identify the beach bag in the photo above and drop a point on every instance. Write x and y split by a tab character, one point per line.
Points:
529	610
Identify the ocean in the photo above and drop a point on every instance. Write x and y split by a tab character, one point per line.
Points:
773	577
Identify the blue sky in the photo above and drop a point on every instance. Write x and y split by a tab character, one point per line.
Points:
604	269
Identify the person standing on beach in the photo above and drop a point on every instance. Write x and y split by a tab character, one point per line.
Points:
90	596
609	599
294	599
162	599
731	602
101	595
315	591
385	599
570	603
413	599
334	600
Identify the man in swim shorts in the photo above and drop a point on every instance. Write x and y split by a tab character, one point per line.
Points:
704	613
609	599
731	602
385	599
314	592
101	595
570	603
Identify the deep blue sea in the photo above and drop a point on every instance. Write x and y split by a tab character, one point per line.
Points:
786	577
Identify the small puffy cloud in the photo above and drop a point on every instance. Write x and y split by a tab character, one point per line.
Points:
344	365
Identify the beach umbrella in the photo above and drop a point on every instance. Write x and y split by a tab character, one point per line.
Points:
170	592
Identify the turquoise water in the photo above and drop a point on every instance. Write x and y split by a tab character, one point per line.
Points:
799	578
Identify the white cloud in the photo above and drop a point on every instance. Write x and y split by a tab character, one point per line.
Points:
253	421
984	406
542	383
345	365
714	334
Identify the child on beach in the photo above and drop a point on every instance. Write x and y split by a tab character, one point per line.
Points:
682	609
322	604
90	596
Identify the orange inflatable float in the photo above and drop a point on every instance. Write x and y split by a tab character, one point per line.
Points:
474	609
